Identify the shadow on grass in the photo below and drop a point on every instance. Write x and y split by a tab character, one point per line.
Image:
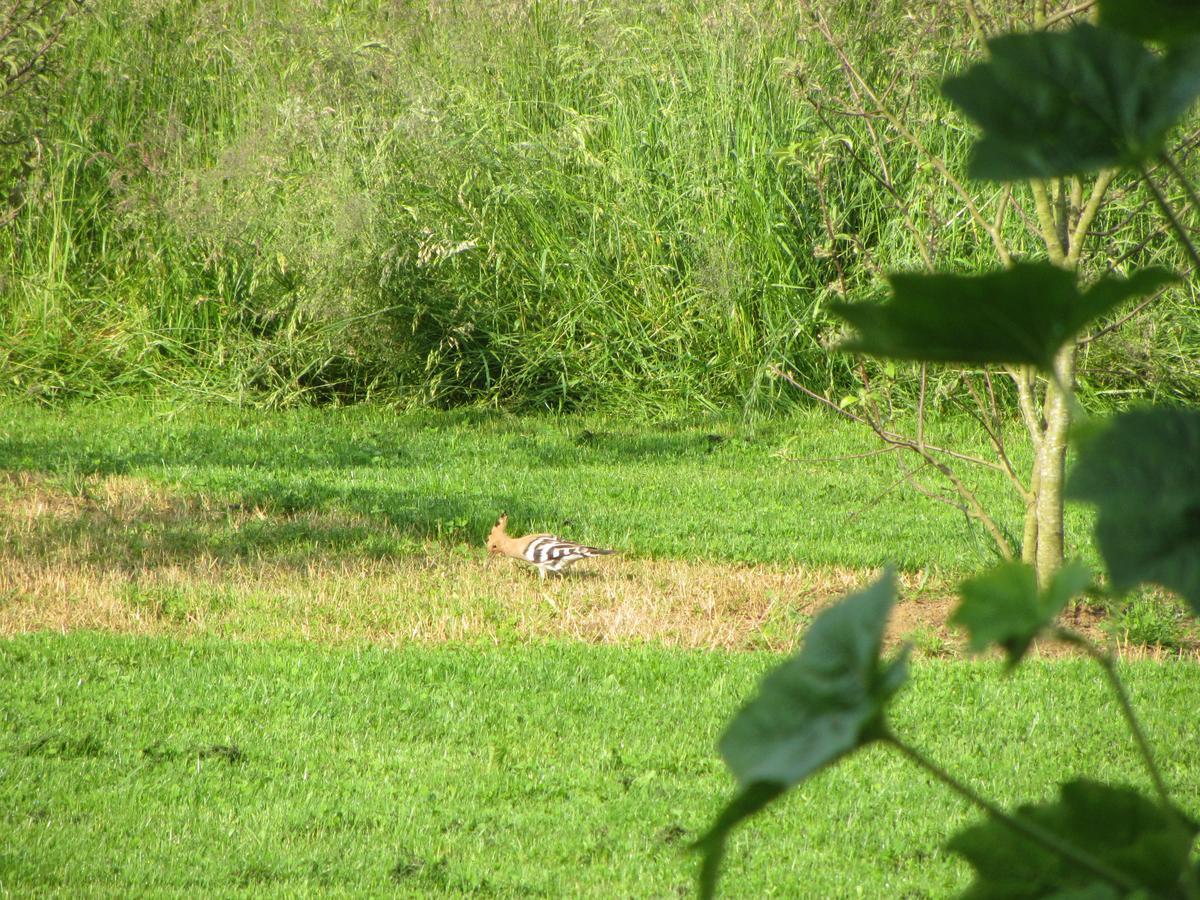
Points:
375	523
304	483
148	445
91	445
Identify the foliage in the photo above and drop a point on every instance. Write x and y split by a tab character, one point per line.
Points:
821	705
1148	619
520	208
1063	103
30	35
536	206
1169	21
1143	474
1003	607
1018	315
1054	104
1143	844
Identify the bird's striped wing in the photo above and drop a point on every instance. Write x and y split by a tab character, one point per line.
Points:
554	553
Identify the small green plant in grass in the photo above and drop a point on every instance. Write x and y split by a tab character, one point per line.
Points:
1051	105
1148	620
926	641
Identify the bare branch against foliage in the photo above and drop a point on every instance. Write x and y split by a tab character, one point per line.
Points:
30	30
969	502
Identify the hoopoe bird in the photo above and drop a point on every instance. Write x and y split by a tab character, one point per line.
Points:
547	552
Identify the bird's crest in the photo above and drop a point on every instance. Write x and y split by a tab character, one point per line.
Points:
498	532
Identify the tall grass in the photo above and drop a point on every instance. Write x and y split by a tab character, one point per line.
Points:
533	204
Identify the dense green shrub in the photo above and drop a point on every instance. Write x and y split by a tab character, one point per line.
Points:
527	204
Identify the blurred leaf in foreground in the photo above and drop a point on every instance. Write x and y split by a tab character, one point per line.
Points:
1021	315
823	703
1004	606
1054	103
1143	474
1142	843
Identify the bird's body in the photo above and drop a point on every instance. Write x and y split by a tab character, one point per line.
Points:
547	552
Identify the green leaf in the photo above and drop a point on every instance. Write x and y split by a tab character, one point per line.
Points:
1169	21
1129	833
1056	103
1143	474
1020	315
1004	606
823	703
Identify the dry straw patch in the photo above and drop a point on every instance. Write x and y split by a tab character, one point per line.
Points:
122	554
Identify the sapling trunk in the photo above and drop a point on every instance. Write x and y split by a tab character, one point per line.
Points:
1029	540
1051	461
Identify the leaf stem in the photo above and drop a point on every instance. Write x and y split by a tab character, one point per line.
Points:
1023	827
1108	665
1105	661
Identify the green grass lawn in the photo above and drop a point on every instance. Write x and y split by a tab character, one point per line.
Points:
709	490
371	759
149	766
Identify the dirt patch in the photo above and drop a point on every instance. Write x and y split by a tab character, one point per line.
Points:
120	554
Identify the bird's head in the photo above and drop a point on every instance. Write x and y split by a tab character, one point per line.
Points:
497	534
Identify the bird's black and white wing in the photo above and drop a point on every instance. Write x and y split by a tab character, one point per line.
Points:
553	554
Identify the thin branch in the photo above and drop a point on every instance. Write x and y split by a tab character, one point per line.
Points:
1062	217
830	232
921	407
890	437
975	509
1067	13
995	438
910	477
808	460
19	19
976	21
886	178
1182	178
1006	200
887	490
1176	226
1113	326
1088	215
934	159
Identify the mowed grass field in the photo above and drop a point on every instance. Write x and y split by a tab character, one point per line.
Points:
364	522
154	766
787	490
252	652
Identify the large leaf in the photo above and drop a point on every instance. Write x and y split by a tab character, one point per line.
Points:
1004	606
1169	21
1020	315
1143	474
1067	102
823	703
1134	837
